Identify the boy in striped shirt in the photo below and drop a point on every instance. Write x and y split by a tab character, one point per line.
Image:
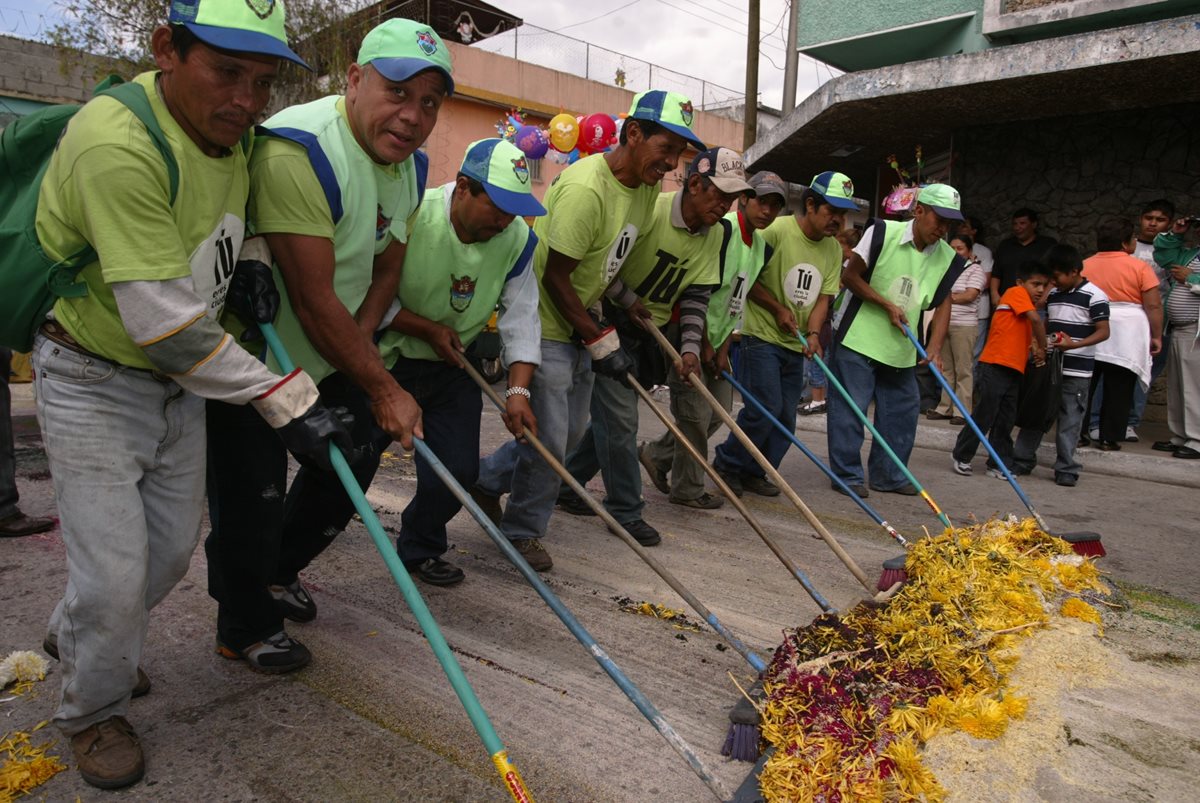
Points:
1077	319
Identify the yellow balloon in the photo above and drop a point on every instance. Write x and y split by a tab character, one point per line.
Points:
564	132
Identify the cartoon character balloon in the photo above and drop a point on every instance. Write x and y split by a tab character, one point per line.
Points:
532	141
597	132
564	132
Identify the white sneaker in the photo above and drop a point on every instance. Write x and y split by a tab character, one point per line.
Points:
996	473
962	468
1094	434
1131	435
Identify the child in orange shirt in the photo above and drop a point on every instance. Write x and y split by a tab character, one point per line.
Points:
1016	326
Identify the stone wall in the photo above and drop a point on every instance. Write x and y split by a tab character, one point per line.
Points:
1078	170
31	70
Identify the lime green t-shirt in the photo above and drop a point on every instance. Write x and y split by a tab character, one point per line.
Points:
740	266
378	203
591	217
799	272
667	258
107	185
448	281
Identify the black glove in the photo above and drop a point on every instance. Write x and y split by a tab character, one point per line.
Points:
308	436
253	296
609	357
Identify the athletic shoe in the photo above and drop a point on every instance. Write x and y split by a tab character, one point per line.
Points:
534	553
1131	435
1094	434
294	602
642	532
1065	480
437	572
996	473
490	505
704	501
812	408
273	655
759	485
658	478
962	468
903	490
569	502
140	689
859	489
109	754
733	480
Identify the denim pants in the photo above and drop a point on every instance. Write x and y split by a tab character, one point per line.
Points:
609	447
897	406
451	406
697	421
775	376
126	454
995	412
8	461
561	391
1070	421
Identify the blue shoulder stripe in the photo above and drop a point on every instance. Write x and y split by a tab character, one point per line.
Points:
525	258
421	163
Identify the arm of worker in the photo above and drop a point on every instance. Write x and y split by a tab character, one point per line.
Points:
937	333
443	339
1039	336
693	310
385	279
620	294
1099	335
785	317
306	264
854	277
816	319
520	330
1152	304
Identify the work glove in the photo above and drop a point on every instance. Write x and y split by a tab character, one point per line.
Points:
252	294
609	358
306	427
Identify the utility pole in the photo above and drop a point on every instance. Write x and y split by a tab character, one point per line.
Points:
792	58
750	131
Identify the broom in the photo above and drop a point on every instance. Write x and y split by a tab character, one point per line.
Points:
416	603
1083	543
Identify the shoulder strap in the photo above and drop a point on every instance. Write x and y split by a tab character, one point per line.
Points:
726	236
877	238
421	164
133	96
320	164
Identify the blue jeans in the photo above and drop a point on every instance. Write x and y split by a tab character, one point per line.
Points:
126	453
1157	366
450	410
561	390
609	446
1070	421
897	406
775	376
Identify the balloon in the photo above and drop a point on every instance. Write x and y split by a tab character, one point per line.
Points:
532	141
564	132
573	157
596	132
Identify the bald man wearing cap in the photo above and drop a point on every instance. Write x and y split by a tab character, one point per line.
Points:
335	186
123	369
743	254
675	262
897	271
470	249
788	305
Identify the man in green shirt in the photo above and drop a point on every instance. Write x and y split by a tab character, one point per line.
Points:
595	211
123	370
788	305
334	190
896	272
743	254
676	262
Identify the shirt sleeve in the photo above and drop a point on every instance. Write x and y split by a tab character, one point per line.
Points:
285	195
1146	277
863	249
974	276
518	322
1017	299
574	224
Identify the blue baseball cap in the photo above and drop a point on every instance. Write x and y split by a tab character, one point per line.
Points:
671	110
502	169
242	26
836	188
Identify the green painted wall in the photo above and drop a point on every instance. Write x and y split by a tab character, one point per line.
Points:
830	20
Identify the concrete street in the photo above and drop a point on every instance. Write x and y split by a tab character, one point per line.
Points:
373	717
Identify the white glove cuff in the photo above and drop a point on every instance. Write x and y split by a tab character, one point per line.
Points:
291	398
604	345
255	248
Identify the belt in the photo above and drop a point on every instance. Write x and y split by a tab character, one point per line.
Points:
56	332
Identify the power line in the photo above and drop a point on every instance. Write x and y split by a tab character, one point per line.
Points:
599	17
717	24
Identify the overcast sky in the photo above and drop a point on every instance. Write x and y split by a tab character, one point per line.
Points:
702	38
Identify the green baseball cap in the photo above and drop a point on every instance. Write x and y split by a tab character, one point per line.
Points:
671	110
400	48
501	168
836	188
943	199
243	26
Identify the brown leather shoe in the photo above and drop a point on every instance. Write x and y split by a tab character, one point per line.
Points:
18	524
109	754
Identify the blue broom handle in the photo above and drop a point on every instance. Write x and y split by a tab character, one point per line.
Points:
975	427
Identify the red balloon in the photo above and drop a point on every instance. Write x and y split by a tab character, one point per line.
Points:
596	132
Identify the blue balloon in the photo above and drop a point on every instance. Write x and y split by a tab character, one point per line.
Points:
573	156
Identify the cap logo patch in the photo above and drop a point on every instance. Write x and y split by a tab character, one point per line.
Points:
462	291
521	170
685	109
426	42
703	166
848	188
956	198
261	8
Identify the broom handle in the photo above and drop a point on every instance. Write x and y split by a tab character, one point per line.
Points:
753	659
462	687
862	416
585	638
978	432
682	440
772	472
870	511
